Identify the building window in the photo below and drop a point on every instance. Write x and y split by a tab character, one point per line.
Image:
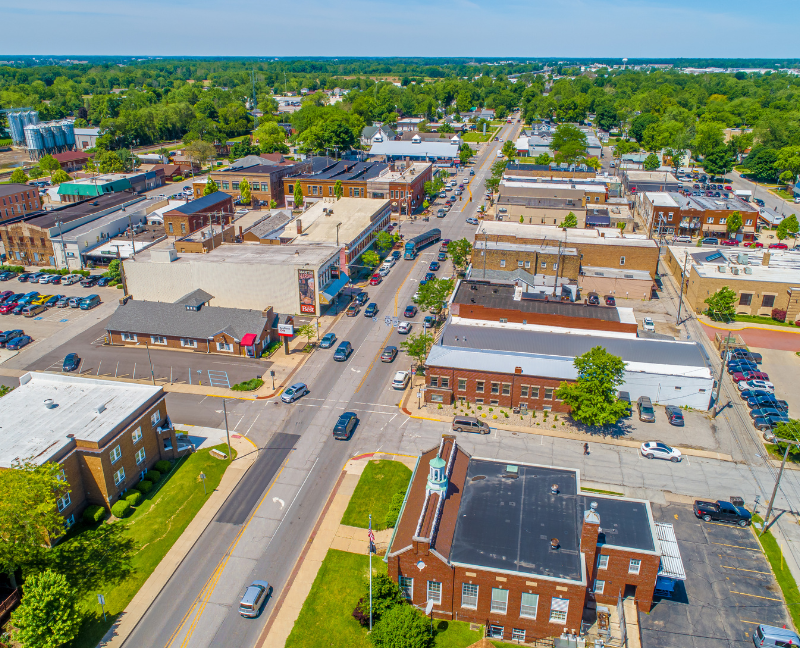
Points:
599	586
710	220
745	299
494	402
602	562
527	264
187	342
435	592
519	264
155	418
224	346
469	595
313	190
523	392
534	392
437	398
768	301
289	188
119	476
506	389
496	631
479	401
504	320
140	456
495	388
499	600
723	221
256	186
548	393
407	587
634	566
137	435
235	185
434	381
479	386
558	610
544	265
69	521
622	260
129	337
183	228
530	602
170	228
748	222
502	263
63	502
116	453
158	339
517	634
462	384
444	382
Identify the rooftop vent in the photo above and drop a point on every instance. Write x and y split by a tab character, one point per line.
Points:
512	472
99	409
554	543
554	489
49	403
478	478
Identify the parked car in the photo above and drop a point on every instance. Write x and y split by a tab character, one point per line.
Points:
371	310
70	279
741	366
649	325
646	411
253	599
767	400
24	276
75	302
7	336
404	327
6	308
291	394
343	351
410	311
345	425
755	384
389	354
104	281
721	511
756	375
5	276
610	301
767	636
674	415
593	299
71	362
327	340
32	310
470	424
17	310
681	239
52	300
767	424
429	276
362	298
88	303
63	302
778	246
442	256
710	240
749	393
90	282
19	342
728	241
375	279
434	266
428	322
5	295
401	380
658	450
472	221
396	254
763	412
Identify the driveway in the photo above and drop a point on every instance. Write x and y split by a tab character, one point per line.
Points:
729	587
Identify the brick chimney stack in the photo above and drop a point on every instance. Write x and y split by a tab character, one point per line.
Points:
299	227
589	533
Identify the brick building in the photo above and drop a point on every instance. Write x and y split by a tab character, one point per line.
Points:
403	184
550	171
672	213
189	324
215	208
104	434
206	239
265	176
322	181
547	260
18	200
518	547
73	160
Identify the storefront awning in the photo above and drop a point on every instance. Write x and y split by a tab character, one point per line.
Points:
601	220
249	339
329	292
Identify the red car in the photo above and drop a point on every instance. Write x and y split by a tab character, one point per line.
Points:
778	246
749	375
733	242
375	279
728	188
6	308
757	244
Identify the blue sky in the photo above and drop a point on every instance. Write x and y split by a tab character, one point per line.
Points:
577	28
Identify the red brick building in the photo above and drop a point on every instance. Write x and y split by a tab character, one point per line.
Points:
518	547
215	208
17	200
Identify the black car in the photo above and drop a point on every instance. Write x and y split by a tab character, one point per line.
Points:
25	276
362	298
7	336
410	311
674	415
763	412
396	255
767	422
593	299
722	511
90	282
71	362
345	425
343	351
371	310
104	281
751	393
5	276
742	367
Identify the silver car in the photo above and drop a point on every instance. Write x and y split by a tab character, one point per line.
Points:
294	392
253	599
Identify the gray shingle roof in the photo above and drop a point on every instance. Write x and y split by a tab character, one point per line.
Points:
269	224
195	298
158	318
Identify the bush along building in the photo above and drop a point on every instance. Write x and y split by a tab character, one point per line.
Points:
518	547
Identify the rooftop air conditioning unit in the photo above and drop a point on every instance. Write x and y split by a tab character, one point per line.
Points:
721	268
748	270
735	270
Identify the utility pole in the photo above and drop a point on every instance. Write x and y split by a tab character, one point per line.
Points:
227	431
683	283
147	346
63	249
719	378
789	444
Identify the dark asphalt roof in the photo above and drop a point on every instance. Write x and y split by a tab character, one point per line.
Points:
494	295
210	200
9	189
84	208
347	170
685	354
623	523
195	298
271	223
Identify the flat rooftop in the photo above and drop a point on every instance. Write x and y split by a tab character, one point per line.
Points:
354	214
650	176
572	236
311	253
84	208
411	172
523	247
560	186
661	199
784	265
345	170
137	212
31	431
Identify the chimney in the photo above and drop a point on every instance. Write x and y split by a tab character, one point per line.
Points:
299	226
589	534
554	489
765	258
49	403
554	544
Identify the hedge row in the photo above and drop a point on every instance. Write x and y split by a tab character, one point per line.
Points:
93	514
121	508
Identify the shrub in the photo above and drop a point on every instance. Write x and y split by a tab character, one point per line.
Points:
163	466
440	406
144	486
153	476
248	385
491	409
779	315
394	509
121	509
494	416
134	498
94	513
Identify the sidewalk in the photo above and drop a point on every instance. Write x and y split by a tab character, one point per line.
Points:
128	620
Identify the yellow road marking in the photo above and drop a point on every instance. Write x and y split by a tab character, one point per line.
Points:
747	570
727	526
722	544
753	622
372	364
756	596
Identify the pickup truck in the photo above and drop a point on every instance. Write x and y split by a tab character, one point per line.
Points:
722	511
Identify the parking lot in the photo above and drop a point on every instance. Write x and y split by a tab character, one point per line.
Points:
729	587
783	368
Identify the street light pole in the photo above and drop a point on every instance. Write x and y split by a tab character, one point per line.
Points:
227	431
683	282
789	444
152	375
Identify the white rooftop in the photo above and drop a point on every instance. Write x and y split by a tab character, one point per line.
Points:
313	254
31	431
661	199
572	236
561	186
407	175
784	265
353	214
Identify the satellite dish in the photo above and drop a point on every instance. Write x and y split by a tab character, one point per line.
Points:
428	608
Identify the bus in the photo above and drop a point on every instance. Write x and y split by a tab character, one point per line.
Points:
414	245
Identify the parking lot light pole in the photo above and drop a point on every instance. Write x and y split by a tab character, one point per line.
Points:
227	431
683	283
789	444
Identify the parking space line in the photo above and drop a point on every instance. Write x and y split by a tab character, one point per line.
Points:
722	544
727	526
747	570
751	622
757	596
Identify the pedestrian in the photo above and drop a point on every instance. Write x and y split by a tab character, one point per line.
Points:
586	448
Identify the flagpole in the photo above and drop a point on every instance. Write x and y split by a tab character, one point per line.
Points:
370	572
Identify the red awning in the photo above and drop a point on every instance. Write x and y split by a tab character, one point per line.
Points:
249	339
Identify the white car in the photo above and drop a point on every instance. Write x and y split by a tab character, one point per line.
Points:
682	239
755	384
384	270
649	325
404	327
401	380
71	279
658	450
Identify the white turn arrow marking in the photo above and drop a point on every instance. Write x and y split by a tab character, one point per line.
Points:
278	500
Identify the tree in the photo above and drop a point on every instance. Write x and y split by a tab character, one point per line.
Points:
402	626
493	184
543	159
200	152
211	187
722	304
509	150
651	162
370	258
244	192
90	166
385	595
792	226
48	616
298	196
761	163
593	163
640	123
788	161
624	147
271	138
36	173
465	153
18	176
307	331
570	220
384	242
708	137
459	252
48	164
338	189
592	398
417	345
59	176
29	520
434	293
569	142
676	159
273	204
718	162
734	223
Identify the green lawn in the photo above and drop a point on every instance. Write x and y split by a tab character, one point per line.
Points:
379	481
454	634
476	137
782	574
755	319
783	194
154	527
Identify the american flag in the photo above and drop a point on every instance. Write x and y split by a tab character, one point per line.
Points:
371	537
